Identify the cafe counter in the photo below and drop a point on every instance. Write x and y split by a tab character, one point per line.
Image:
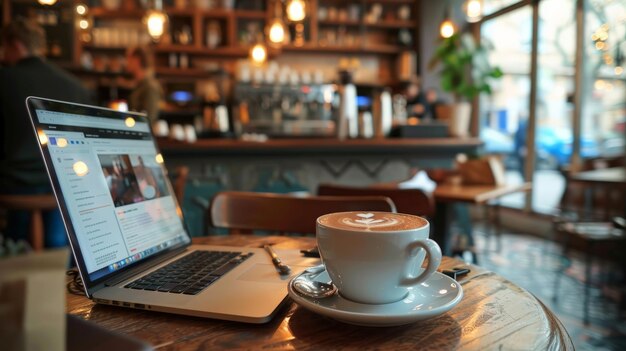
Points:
252	165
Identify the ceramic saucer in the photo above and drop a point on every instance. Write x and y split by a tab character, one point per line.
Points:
437	295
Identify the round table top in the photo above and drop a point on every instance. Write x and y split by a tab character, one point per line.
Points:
493	314
609	176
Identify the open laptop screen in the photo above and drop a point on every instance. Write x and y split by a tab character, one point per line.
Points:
113	183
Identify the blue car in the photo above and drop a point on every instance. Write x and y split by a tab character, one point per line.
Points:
553	146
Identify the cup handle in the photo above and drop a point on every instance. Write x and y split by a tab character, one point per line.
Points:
433	251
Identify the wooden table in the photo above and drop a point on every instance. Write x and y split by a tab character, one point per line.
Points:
610	182
607	176
494	314
445	194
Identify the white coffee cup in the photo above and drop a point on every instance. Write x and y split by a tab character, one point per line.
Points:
376	257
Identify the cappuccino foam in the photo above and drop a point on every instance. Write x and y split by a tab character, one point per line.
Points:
372	221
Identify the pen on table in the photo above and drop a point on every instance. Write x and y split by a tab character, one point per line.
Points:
282	268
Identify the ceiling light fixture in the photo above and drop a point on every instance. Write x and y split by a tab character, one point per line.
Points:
296	10
156	21
447	27
258	54
473	10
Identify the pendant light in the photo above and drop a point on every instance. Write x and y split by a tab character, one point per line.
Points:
473	10
277	32
447	27
258	54
156	21
46	2
296	10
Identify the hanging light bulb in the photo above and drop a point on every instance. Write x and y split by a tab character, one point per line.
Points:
156	21
47	2
81	9
296	10
447	27
277	32
473	10
258	54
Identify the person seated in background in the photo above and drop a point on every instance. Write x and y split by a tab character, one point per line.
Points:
416	104
147	92
432	102
26	72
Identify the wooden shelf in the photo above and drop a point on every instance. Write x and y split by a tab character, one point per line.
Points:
395	24
186	72
392	2
104	48
252	14
349	23
200	50
367	49
101	12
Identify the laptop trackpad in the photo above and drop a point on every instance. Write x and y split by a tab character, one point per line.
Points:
267	273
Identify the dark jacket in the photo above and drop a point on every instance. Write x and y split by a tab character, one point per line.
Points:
21	164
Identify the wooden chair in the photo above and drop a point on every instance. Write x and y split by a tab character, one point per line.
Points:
586	221
243	212
36	205
179	182
409	201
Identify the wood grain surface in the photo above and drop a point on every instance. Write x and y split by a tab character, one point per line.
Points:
494	314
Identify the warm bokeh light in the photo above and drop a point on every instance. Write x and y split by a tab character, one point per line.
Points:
258	54
276	32
156	22
130	122
619	70
43	138
473	10
159	159
296	10
61	142
447	29
80	168
83	24
81	9
47	2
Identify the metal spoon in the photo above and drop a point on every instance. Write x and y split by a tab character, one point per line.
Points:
307	286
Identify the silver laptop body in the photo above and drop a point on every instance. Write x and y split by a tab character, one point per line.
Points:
123	221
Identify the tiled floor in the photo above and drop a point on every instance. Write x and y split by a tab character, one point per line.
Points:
532	263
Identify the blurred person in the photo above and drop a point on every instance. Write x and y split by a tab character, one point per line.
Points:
432	102
26	72
147	93
416	104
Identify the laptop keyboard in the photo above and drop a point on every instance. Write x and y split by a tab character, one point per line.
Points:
190	274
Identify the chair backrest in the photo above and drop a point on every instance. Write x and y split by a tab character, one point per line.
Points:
36	205
409	201
179	182
246	211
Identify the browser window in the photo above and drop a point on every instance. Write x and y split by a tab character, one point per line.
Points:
115	187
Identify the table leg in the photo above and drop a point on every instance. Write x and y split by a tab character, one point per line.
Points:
441	230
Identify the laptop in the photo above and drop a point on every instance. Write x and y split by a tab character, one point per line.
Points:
126	229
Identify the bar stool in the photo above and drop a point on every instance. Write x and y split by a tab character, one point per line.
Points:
36	205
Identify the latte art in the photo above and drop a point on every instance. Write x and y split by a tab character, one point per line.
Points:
372	221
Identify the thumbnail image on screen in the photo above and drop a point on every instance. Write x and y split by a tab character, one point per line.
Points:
133	178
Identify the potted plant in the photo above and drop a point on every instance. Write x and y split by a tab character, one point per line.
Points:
465	72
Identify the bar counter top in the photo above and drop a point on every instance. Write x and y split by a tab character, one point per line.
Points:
320	146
